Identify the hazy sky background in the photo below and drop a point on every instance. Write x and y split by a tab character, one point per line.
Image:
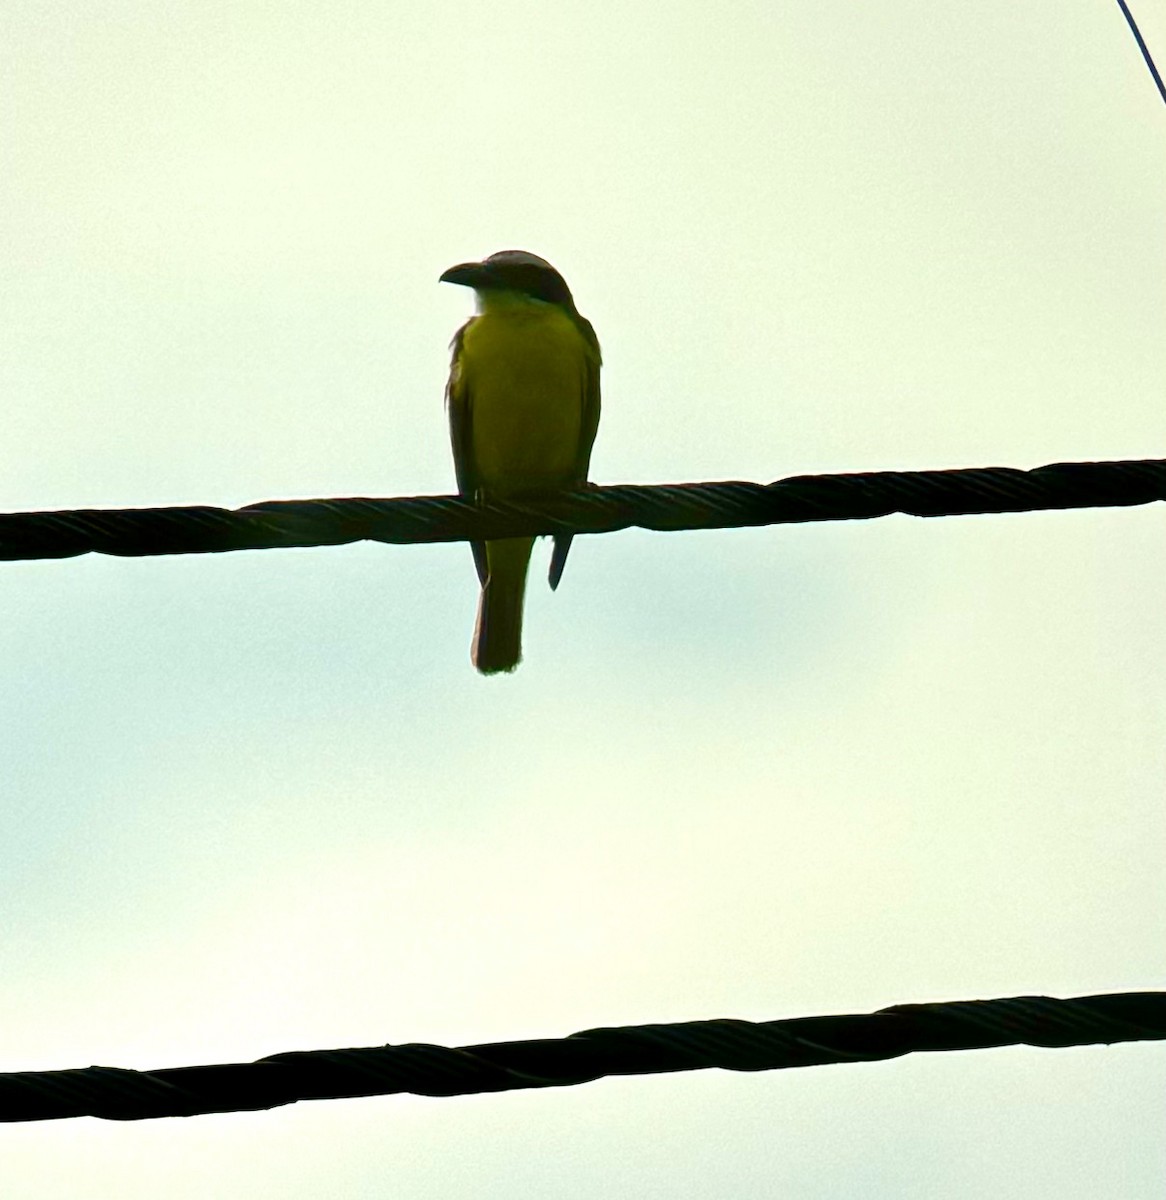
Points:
261	802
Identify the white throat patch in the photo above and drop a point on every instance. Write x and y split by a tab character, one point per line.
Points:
505	300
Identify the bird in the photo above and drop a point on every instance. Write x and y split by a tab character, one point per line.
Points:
523	404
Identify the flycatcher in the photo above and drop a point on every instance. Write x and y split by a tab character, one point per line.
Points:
523	400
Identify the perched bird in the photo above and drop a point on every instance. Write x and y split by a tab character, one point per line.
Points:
523	400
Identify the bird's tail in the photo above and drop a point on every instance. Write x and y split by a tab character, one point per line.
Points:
498	635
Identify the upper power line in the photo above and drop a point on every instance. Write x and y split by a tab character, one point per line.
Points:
203	529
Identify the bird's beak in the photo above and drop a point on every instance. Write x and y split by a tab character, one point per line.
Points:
471	274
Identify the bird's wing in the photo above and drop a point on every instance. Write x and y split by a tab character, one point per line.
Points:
460	406
590	422
587	429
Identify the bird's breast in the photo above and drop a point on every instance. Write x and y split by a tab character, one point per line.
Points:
525	372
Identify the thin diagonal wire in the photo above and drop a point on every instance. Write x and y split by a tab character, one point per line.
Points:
665	507
732	1045
1129	16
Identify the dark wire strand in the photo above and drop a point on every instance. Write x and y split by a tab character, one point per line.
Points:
116	1094
665	507
1129	16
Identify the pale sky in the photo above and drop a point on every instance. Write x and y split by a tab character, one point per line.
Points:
261	802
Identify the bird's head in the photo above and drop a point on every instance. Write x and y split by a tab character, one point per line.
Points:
517	273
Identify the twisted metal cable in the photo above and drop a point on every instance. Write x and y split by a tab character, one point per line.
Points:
1147	57
666	507
732	1045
